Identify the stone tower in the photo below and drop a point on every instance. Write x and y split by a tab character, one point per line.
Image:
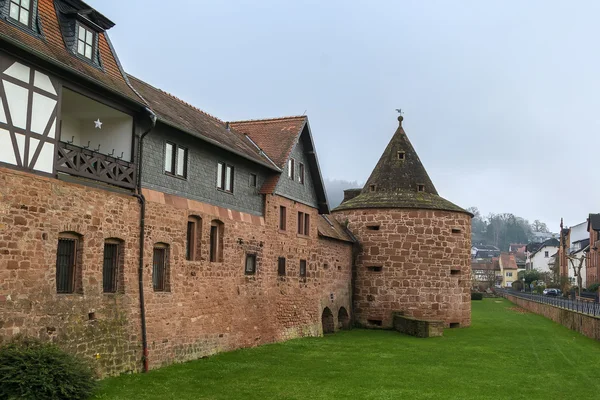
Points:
415	246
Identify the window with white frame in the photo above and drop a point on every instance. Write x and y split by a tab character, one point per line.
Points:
20	10
85	41
176	160
225	177
301	173
291	168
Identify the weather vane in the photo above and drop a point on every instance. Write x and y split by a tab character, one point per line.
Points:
399	111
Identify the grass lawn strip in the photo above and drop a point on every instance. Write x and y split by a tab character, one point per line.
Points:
505	354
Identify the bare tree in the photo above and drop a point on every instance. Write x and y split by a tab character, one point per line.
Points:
539	226
577	270
489	277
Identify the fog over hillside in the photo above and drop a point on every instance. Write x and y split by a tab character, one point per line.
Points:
335	190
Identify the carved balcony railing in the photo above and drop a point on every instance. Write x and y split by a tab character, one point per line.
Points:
78	161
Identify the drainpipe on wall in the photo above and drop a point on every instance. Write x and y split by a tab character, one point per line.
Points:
142	201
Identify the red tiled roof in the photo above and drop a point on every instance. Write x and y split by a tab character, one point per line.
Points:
181	115
52	48
485	265
275	136
508	261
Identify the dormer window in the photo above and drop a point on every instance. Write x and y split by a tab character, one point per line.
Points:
420	188
20	10
85	41
401	155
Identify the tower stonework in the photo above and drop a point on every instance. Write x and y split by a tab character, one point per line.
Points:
414	255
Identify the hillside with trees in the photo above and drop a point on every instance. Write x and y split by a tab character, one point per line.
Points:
503	229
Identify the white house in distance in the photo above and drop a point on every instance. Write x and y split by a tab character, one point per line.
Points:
578	250
539	258
578	235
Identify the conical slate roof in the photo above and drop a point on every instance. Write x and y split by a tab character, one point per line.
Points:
399	181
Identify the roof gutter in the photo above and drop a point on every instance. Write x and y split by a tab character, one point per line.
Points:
68	68
142	238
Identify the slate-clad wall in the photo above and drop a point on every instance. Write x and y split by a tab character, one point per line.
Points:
293	189
202	172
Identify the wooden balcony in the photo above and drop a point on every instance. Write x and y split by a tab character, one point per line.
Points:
74	160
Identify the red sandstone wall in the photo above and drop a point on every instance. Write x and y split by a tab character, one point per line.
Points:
211	307
593	262
417	250
585	324
33	211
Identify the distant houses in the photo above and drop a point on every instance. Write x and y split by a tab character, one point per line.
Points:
508	269
573	253
484	251
539	255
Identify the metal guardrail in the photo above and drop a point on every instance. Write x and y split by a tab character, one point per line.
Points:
584	307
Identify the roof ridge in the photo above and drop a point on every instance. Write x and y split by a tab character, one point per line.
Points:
249	121
178	99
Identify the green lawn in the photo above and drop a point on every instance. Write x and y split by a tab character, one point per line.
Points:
503	355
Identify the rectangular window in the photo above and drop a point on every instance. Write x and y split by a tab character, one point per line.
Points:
281	266
192	243
301	173
160	264
303	268
225	177
181	162
250	264
303	223
66	259
176	158
170	158
85	41
291	168
306	223
213	243
282	218
546	255
216	241
253	180
110	269
20	10
220	175
375	269
300	223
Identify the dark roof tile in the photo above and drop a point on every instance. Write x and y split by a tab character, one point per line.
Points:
183	116
395	180
329	227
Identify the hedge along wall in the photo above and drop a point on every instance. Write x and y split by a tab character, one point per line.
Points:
585	324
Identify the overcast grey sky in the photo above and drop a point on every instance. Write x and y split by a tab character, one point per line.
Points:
501	98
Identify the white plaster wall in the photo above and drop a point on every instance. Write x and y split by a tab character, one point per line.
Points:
579	232
572	277
71	130
540	262
116	133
